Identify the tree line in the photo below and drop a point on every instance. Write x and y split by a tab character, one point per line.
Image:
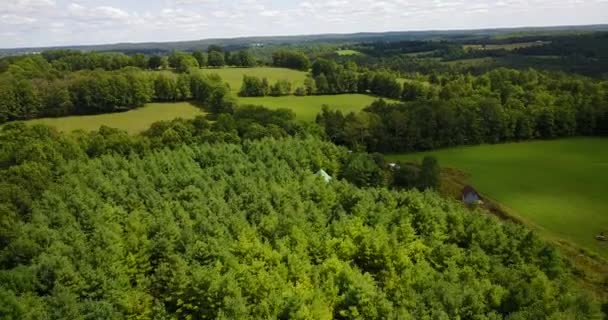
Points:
502	105
95	92
190	221
259	87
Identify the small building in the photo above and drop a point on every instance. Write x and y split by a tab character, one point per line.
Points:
470	196
394	166
324	175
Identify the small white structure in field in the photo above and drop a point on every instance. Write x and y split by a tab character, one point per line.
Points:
324	175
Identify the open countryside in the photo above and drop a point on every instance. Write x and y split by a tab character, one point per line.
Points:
234	76
133	121
458	174
560	187
308	107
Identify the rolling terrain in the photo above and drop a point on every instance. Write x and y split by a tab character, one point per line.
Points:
559	187
133	121
234	76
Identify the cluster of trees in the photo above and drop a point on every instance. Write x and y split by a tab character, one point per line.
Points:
182	222
215	57
260	87
502	105
291	59
94	92
409	176
333	78
62	61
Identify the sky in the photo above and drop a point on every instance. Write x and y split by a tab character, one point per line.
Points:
34	23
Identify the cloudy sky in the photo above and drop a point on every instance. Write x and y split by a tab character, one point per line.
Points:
70	22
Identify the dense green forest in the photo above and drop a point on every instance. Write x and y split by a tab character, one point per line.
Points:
501	105
230	217
104	225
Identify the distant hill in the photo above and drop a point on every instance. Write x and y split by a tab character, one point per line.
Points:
239	43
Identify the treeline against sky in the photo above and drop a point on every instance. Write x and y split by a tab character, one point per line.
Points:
227	220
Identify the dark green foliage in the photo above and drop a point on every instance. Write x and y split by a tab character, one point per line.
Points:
178	224
429	174
200	57
243	59
254	87
502	105
216	59
155	62
290	59
361	170
406	176
182	62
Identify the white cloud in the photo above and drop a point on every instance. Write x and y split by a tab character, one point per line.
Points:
44	22
16	20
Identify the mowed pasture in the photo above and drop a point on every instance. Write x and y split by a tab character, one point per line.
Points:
307	108
132	121
234	76
559	187
348	52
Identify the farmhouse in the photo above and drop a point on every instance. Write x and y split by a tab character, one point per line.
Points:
470	196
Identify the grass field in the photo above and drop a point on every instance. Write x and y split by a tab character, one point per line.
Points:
307	108
133	121
560	187
234	76
348	52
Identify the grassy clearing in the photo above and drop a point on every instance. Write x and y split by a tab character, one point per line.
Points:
307	108
133	121
560	187
348	52
234	76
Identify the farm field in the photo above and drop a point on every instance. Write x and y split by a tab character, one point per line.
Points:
348	52
234	76
307	108
560	187
133	121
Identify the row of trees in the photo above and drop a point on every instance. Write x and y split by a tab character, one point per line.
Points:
503	105
94	92
184	222
333	78
72	60
291	59
260	87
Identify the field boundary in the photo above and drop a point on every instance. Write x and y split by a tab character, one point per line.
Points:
590	269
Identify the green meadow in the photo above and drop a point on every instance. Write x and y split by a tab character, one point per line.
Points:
133	121
559	187
307	108
234	76
348	52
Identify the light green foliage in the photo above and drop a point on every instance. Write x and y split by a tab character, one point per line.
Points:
348	52
247	231
558	186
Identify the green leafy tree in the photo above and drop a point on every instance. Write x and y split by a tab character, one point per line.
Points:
216	59
430	174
